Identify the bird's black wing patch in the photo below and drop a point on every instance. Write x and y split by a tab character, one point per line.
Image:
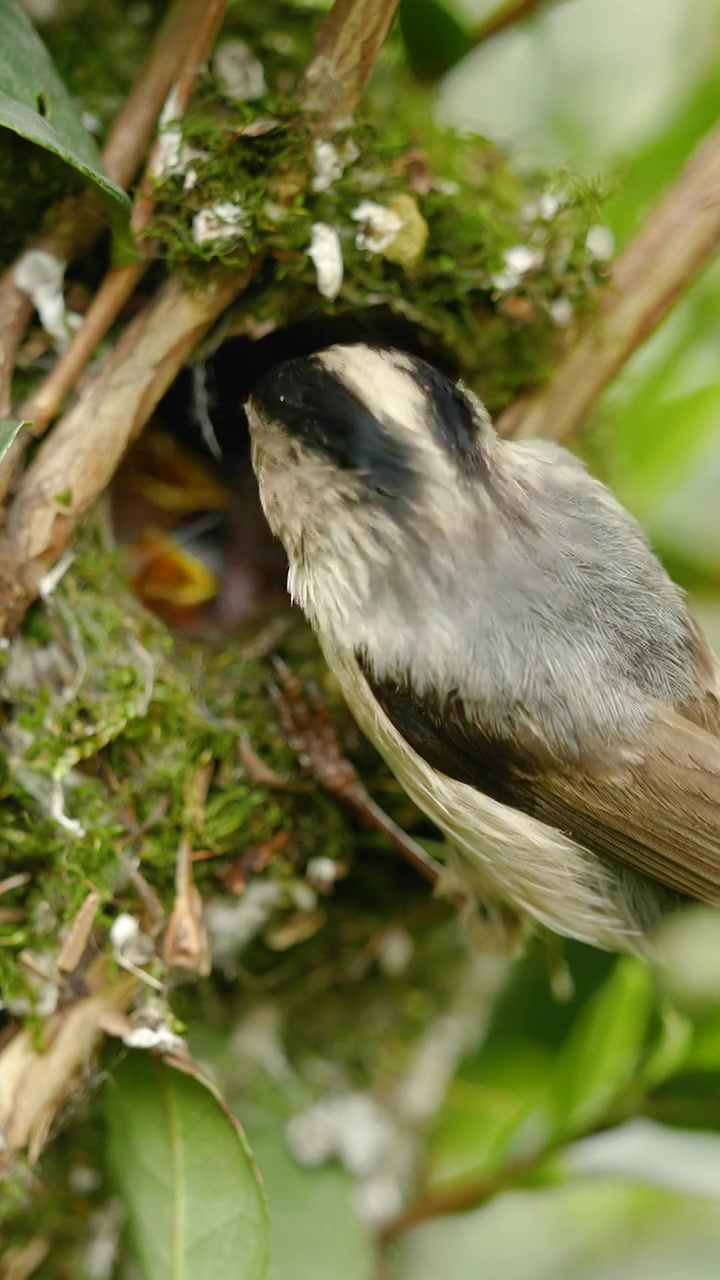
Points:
447	740
658	816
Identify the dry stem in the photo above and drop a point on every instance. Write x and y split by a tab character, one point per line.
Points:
120	282
679	237
78	220
347	46
129	137
507	15
460	1198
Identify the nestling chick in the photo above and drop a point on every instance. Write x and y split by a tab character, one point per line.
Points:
504	634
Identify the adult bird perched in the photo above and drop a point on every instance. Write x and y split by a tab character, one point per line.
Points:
504	634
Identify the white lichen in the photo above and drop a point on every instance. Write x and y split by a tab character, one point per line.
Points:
600	242
257	1042
327	165
240	75
40	275
330	162
561	310
304	898
50	580
233	925
224	220
150	1028
172	156
395	952
460	1028
353	1128
91	122
379	226
445	186
362	1134
322	872
519	259
326	254
128	942
160	1038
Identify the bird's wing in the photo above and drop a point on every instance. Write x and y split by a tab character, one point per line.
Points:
657	809
704	707
660	815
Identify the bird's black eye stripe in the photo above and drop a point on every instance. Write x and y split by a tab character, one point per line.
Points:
316	407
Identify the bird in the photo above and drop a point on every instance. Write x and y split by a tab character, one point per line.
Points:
503	632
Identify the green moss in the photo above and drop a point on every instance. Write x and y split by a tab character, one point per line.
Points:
474	204
102	704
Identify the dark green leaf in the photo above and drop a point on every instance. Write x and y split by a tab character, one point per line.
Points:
35	103
433	37
482	1116
196	1204
8	432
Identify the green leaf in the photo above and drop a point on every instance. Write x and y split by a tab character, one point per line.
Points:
8	432
603	1051
433	37
671	1049
315	1231
195	1201
35	103
482	1116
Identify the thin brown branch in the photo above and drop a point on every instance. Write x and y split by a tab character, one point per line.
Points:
42	406
507	15
462	1197
311	733
78	220
199	39
15	311
120	282
74	465
130	135
347	46
678	239
357	800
